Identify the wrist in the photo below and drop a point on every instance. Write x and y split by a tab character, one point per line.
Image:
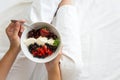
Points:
54	74
15	49
53	68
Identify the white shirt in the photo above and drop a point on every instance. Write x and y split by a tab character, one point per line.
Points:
100	39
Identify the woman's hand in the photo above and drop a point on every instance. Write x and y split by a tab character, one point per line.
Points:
14	31
53	68
54	63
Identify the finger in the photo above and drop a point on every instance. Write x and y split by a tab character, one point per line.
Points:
61	50
22	21
10	25
16	28
21	29
9	28
59	55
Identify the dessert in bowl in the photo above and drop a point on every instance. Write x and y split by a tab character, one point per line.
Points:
41	43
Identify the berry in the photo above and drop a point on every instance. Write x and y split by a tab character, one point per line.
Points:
34	53
41	51
31	33
44	32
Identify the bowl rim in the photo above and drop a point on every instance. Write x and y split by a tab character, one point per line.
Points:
41	60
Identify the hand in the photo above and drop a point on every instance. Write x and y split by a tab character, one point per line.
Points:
53	68
14	31
54	63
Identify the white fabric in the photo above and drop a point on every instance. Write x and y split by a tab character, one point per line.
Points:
39	10
67	23
100	29
100	40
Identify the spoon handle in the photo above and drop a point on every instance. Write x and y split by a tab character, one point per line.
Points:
28	26
25	24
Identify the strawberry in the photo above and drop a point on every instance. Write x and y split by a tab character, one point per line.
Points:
44	48
34	53
49	52
39	54
44	32
40	51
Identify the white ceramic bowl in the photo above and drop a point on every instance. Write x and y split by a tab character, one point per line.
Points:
25	48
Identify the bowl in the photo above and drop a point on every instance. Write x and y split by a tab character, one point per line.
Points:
24	47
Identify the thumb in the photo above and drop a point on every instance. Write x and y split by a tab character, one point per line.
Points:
59	55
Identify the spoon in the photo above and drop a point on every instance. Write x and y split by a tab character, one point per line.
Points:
25	24
28	26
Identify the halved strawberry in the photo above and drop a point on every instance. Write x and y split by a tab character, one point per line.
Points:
40	51
44	32
44	48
